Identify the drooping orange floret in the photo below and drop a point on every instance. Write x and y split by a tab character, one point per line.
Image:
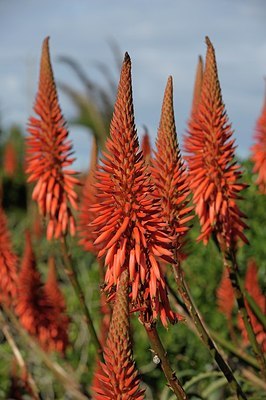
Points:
225	295
169	174
259	150
130	231
213	172
36	312
8	265
119	378
9	159
146	146
52	289
48	155
253	288
86	232
197	86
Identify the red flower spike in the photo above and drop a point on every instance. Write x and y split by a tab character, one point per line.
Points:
9	159
86	232
8	265
213	173
253	288
197	86
131	234
225	295
36	311
48	154
169	174
119	378
259	150
146	146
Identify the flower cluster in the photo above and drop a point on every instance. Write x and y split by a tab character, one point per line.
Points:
48	155
131	234
259	150
36	308
119	377
169	174
213	172
8	265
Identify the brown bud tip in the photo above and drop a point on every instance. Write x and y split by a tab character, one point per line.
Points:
208	42
127	58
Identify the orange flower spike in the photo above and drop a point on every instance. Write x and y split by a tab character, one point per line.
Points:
169	174
259	150
131	216
10	159
197	86
225	295
8	265
48	154
36	312
213	173
146	146
119	377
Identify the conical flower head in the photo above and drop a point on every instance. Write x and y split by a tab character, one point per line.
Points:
8	265
259	150
146	146
10	159
48	154
197	86
37	314
169	174
214	174
225	295
119	375
131	234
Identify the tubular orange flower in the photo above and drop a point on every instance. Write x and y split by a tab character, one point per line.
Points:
87	233
214	174
225	295
37	314
197	86
48	154
9	159
8	265
146	146
259	150
169	174
119	378
130	232
253	288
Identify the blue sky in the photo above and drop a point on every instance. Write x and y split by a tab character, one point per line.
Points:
162	37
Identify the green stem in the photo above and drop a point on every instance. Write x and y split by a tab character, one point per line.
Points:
203	333
71	273
159	350
229	259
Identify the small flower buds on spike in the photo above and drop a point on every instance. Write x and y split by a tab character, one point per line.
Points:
169	174
48	155
213	172
131	234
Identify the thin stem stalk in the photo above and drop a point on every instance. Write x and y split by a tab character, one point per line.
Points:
159	350
229	260
204	334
